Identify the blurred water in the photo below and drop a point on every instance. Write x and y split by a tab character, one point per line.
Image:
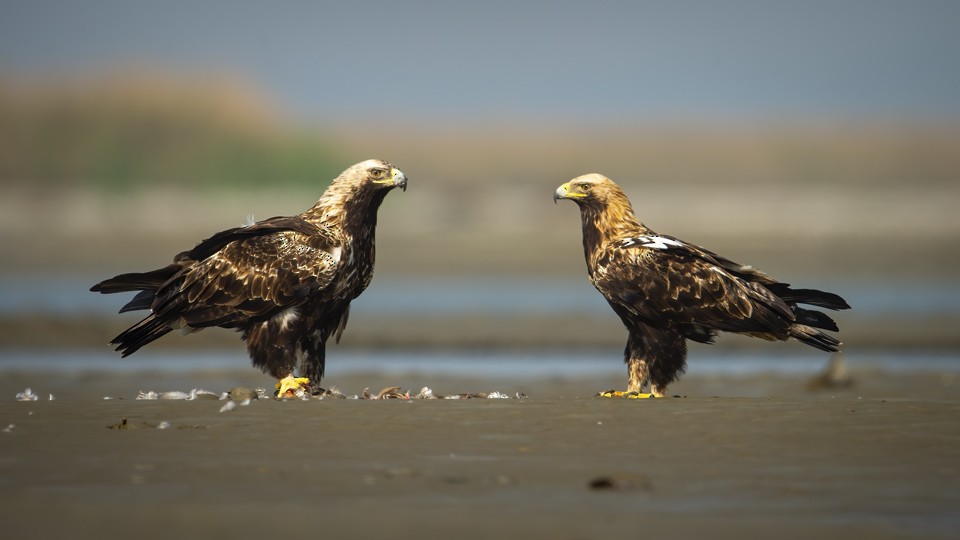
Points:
66	295
563	364
39	294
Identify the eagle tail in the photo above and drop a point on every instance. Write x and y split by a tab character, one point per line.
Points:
143	300
146	283
811	297
140	334
814	338
816	319
137	281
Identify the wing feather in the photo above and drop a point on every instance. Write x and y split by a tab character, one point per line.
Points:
672	283
266	227
249	279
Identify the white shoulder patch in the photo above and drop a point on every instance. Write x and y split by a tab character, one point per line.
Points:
652	242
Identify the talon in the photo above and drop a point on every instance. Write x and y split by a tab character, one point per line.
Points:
291	386
626	395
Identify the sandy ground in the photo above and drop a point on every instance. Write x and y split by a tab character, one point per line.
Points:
876	460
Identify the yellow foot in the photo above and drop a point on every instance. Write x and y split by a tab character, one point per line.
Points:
626	395
291	386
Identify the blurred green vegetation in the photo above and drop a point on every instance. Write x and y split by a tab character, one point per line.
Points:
119	133
124	133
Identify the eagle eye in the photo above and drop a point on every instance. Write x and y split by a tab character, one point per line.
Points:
584	187
377	173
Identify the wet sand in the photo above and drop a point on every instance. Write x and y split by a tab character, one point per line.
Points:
876	460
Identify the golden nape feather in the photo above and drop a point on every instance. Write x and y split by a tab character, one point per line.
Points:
284	283
667	291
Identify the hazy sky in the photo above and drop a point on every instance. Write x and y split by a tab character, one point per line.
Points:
626	61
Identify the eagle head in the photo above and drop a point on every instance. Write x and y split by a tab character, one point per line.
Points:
357	193
375	174
591	190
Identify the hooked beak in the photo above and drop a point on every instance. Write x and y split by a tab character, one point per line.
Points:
562	192
399	179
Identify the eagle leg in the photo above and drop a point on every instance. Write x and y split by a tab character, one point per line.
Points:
654	358
638	377
291	386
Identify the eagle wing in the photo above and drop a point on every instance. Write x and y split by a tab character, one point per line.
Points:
249	279
265	227
665	282
253	276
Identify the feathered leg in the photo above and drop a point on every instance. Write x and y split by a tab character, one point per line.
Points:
275	353
667	354
314	358
654	357
638	371
637	375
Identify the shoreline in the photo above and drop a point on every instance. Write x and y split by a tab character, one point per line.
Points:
542	377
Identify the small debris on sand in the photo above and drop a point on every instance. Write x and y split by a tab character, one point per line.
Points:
243	396
196	393
27	395
394	392
123	424
242	393
621	482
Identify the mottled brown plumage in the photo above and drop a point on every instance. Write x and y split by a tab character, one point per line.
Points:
285	283
667	291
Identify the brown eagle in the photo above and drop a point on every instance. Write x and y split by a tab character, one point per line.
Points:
667	291
284	283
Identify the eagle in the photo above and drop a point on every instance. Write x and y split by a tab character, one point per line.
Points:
667	291
284	283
